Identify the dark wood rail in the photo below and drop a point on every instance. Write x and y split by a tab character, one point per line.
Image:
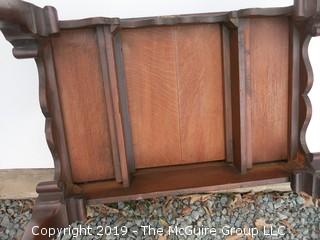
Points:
153	106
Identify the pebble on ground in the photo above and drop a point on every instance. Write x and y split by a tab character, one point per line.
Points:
265	215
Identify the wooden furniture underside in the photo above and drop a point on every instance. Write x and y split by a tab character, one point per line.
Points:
145	107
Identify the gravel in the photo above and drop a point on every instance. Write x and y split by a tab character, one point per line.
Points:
265	215
14	216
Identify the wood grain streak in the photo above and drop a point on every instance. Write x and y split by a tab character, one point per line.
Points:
269	49
149	56
176	114
199	74
83	105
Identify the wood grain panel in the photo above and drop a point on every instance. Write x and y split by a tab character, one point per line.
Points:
200	80
149	59
269	41
83	103
175	94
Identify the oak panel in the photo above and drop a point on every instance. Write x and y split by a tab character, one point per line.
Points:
83	104
149	60
269	40
175	94
200	81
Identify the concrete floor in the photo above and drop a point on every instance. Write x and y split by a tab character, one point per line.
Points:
21	183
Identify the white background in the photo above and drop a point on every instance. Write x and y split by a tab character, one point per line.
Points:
22	139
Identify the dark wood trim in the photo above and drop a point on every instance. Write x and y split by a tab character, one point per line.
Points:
109	102
209	189
76	209
49	210
173	20
306	8
87	22
302	181
315	163
306	180
176	19
306	80
227	92
33	19
265	12
23	24
116	106
293	107
124	109
51	108
241	114
52	209
234	74
307	19
174	182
